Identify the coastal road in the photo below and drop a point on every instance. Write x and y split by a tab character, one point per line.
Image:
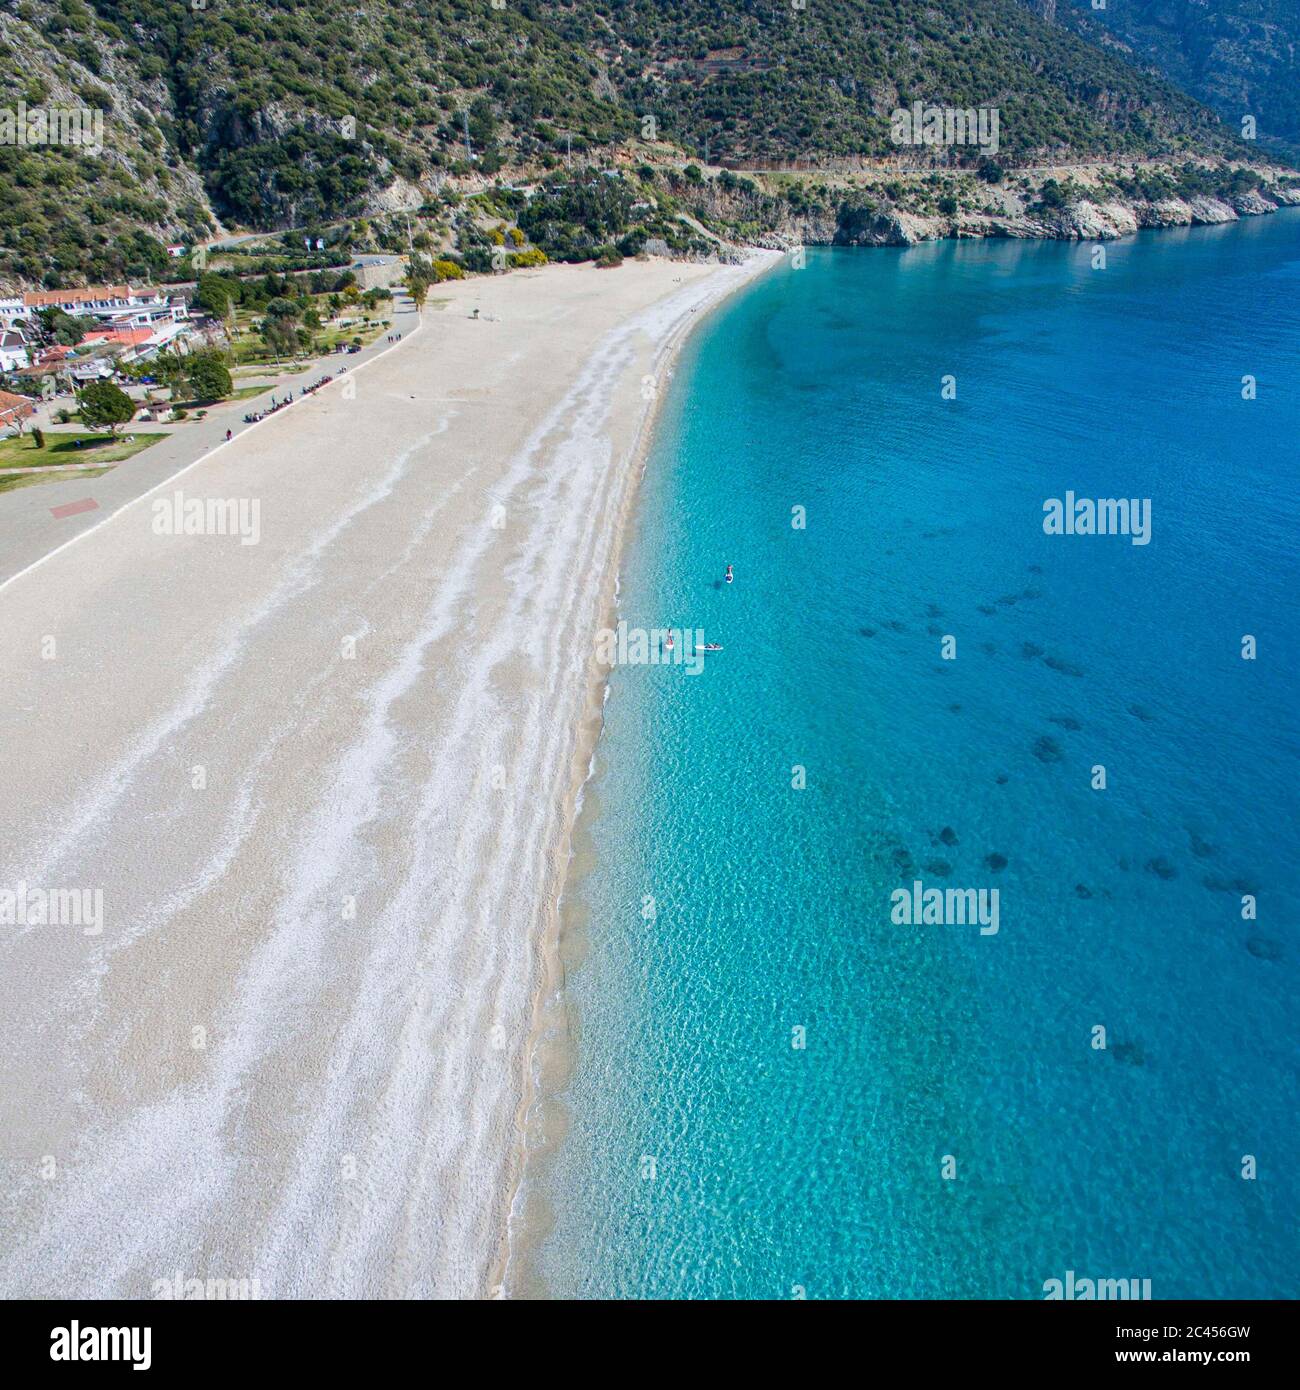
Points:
284	810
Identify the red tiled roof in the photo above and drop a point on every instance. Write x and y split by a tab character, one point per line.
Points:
45	299
128	337
17	406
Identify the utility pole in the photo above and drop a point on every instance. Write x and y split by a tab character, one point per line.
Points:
469	153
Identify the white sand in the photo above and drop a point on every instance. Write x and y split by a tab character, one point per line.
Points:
241	1078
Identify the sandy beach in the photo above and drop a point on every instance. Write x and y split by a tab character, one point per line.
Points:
299	795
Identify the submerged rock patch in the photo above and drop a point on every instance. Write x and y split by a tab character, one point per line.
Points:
1047	750
1066	668
1230	885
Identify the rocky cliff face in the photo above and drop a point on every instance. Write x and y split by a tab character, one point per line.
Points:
1099	218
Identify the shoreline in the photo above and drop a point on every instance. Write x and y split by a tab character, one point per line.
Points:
520	1235
1006	210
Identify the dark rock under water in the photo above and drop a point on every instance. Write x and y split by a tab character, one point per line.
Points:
1066	668
1047	750
1230	885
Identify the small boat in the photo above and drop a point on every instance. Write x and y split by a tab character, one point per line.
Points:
711	647
729	574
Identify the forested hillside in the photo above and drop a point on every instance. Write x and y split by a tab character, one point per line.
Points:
1238	56
276	113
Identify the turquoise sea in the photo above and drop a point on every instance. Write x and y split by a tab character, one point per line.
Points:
708	1156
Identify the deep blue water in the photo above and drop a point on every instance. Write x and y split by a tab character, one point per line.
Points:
777	1167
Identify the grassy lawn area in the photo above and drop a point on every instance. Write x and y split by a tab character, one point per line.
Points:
249	350
257	369
240	393
9	482
71	448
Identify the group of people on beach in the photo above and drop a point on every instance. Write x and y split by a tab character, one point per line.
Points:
255	415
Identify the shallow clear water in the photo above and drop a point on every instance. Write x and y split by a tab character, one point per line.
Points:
777	1168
